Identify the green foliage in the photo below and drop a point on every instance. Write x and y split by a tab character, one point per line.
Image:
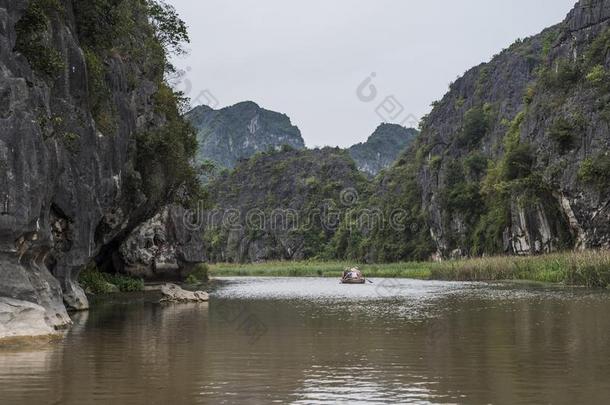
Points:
108	28
487	237
597	75
481	81
303	186
599	78
518	162
504	181
102	108
94	281
565	132
548	41
459	103
103	24
316	268
476	164
463	197
565	73
164	153
596	171
476	125
126	283
287	148
589	268
436	162
170	30
199	275
311	181
598	50
514	131
146	32
530	93
96	73
562	76
192	280
32	38
460	197
385	243
214	241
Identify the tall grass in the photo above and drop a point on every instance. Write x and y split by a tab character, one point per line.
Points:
318	269
589	268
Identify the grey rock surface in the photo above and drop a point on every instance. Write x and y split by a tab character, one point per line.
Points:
163	247
238	132
382	148
282	205
68	188
176	294
23	319
570	213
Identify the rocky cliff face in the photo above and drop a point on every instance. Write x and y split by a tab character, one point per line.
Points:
83	117
382	148
284	205
162	248
238	132
514	159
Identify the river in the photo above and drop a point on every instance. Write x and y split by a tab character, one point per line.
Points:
314	341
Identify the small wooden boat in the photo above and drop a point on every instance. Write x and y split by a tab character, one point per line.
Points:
353	280
353	276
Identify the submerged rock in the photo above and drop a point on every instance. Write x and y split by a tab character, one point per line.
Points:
174	293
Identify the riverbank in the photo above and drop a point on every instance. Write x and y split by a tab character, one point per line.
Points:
589	268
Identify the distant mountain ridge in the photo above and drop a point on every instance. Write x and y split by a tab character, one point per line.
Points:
238	132
382	148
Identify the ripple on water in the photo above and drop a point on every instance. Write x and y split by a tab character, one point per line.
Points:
393	341
322	289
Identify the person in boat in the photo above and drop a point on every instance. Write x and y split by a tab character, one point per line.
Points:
352	274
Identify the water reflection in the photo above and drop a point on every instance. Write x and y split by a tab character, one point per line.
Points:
326	343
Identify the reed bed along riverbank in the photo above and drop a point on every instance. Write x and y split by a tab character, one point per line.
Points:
588	268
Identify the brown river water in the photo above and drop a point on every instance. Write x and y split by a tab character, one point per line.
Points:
314	341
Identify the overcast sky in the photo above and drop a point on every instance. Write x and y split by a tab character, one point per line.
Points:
308	58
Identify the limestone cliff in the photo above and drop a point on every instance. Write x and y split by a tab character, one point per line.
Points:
162	248
281	205
382	148
515	157
91	145
238	132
